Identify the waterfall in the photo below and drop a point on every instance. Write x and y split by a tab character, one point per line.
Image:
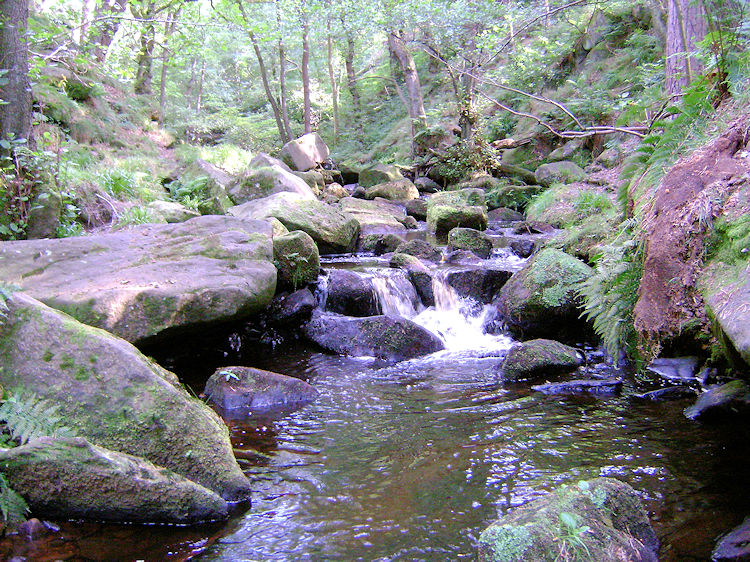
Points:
396	294
445	296
321	291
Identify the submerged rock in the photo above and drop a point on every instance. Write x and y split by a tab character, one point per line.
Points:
735	545
114	396
726	401
580	386
389	338
333	232
245	391
601	519
351	294
542	299
669	393
539	358
151	280
73	479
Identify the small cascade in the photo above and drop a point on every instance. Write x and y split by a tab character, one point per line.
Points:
321	291
396	294
445	296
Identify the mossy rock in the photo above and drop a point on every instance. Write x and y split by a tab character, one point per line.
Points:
259	182
214	186
172	211
559	172
469	197
297	260
421	249
472	240
375	174
65	479
114	396
44	215
601	519
542	299
304	153
539	358
442	218
485	182
399	190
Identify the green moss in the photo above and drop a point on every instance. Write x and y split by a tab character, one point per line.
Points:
81	373
48	356
67	363
507	542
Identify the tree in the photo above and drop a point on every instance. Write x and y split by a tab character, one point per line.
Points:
105	25
15	91
686	26
413	86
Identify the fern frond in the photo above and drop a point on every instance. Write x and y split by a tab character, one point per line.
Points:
12	505
27	417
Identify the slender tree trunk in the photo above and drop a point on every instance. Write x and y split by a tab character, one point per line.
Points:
199	97
686	26
267	88
103	31
85	10
169	27
413	86
351	75
282	77
15	91
145	58
334	86
306	75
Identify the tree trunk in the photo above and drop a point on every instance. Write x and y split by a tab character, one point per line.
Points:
350	74
267	88
306	76
334	86
145	58
105	26
282	77
686	26
199	97
409	69
84	21
169	27
15	91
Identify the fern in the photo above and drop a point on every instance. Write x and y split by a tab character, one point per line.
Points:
12	505
27	417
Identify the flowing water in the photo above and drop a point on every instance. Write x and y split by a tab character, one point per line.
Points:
411	461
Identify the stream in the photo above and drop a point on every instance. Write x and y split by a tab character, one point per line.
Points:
412	461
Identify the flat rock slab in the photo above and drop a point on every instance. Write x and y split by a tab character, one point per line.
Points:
581	386
63	478
150	280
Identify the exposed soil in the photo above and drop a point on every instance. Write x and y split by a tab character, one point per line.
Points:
689	197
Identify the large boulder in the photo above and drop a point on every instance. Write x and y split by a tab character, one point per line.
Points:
215	183
389	338
291	309
172	211
378	173
730	306
151	280
245	391
420	249
374	217
261	181
480	283
539	358
725	401
442	218
472	240
334	232
304	153
559	172
417	208
542	300
601	519
114	396
351	294
296	258
72	479
468	197
44	214
399	190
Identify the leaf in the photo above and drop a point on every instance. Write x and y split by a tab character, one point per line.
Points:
569	520
5	144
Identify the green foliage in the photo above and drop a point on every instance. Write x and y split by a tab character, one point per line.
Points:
138	215
611	292
28	417
192	193
12	505
508	542
588	202
119	184
571	537
729	241
463	159
78	90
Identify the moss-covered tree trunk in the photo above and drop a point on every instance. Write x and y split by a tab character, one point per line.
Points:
15	91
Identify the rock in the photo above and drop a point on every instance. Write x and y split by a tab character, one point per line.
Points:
410	223
480	283
172	211
374	217
539	358
44	215
441	219
351	294
485	182
33	529
426	185
314	179
399	190
469	239
296	258
350	171
522	247
559	172
333	232
240	392
421	249
669	393
581	386
291	310
503	214
675	369
610	157
533	227
565	151
304	153
359	192
463	257
389	338
541	300
378	173
334	192
419	276
729	304
258	182
379	244
604	515
216	183
470	197
150	281
277	227
114	396
417	208
73	479
726	401
735	545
